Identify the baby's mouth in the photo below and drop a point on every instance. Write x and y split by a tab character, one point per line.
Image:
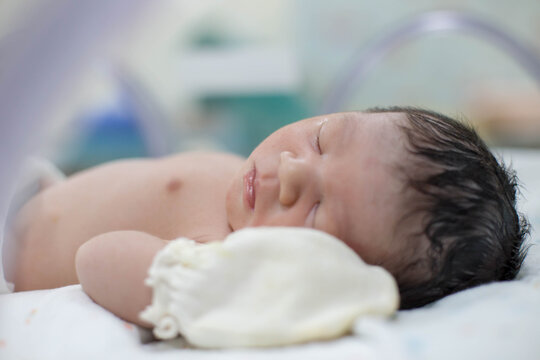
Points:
249	187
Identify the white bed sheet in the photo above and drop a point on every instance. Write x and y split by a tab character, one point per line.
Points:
495	321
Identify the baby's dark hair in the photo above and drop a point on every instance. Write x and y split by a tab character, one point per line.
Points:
467	202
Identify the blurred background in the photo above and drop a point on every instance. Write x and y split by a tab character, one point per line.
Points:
222	75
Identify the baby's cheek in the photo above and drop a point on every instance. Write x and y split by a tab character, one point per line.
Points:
279	219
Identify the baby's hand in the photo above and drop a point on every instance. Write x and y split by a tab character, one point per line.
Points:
264	287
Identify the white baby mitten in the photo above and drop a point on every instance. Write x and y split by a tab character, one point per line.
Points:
264	287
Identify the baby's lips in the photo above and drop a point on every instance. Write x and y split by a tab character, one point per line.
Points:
249	188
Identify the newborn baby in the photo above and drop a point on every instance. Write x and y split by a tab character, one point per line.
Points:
406	189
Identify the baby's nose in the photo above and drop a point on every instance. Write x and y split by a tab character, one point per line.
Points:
294	174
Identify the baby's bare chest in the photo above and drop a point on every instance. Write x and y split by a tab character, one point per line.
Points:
189	202
180	196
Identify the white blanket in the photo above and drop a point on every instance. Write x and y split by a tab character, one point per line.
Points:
495	321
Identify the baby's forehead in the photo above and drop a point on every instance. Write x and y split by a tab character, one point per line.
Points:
380	136
387	129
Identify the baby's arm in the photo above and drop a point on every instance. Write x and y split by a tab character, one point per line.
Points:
112	267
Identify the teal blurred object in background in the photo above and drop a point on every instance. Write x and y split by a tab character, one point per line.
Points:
250	119
243	90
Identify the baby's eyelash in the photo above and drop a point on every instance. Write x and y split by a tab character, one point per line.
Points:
318	137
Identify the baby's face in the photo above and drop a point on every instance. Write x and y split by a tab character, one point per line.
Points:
335	173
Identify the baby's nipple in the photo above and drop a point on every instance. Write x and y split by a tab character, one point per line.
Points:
173	185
